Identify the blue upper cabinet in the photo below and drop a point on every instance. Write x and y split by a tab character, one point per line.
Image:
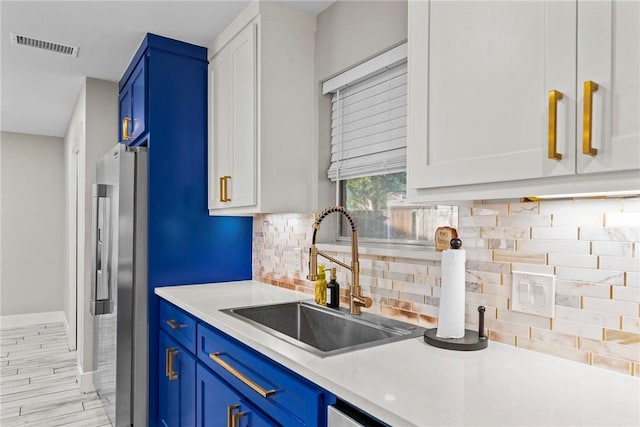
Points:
133	106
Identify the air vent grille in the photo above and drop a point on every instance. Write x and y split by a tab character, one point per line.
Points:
64	49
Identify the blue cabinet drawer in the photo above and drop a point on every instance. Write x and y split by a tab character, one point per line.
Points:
283	395
179	325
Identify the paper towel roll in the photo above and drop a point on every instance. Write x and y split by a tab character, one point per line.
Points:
452	288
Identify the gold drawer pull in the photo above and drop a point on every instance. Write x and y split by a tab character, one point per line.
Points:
230	414
125	128
587	118
174	325
235	418
255	387
554	97
169	372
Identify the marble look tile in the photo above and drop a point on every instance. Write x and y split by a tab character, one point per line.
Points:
554	233
562	246
554	337
568	287
507	327
619	365
613	234
620	263
578	329
589	206
628	352
630	324
573	260
626	293
520	256
524	208
597	318
621	337
582	220
502	337
631	205
622	219
490	209
524	221
606	277
624	308
624	249
532	268
554	349
524	319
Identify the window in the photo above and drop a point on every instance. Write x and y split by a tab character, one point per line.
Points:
369	154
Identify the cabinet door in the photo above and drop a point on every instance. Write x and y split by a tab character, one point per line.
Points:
177	384
609	55
220	405
138	101
479	78
124	109
233	123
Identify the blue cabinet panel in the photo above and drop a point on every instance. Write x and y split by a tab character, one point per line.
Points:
177	384
218	404
164	91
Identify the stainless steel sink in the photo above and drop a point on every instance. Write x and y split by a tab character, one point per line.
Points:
323	331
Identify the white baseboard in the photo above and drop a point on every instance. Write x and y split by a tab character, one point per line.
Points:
22	320
86	381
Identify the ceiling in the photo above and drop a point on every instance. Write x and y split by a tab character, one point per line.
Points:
39	88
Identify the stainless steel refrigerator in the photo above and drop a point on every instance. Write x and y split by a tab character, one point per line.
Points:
119	284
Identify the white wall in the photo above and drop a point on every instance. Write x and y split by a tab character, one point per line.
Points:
32	221
92	132
348	33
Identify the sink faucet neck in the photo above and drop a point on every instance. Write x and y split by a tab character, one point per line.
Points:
356	299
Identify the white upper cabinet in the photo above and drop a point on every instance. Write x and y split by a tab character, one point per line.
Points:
494	93
609	55
261	113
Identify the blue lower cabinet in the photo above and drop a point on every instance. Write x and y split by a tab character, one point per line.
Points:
285	396
177	384
219	405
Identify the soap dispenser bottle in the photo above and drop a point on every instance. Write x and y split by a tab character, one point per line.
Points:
333	290
321	287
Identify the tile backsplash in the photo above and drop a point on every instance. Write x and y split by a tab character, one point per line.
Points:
591	245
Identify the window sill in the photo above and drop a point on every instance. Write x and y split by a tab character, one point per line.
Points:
397	251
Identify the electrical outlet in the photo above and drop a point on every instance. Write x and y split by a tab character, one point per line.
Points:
533	293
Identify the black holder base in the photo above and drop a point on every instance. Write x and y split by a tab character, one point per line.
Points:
470	341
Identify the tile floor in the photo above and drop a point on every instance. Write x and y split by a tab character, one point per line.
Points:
38	381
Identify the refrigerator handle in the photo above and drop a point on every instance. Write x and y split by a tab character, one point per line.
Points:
101	301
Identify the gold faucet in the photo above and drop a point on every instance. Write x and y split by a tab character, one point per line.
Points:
356	299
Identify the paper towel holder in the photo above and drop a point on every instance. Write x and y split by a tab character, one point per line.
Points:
472	340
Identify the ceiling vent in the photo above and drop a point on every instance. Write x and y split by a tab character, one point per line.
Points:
64	49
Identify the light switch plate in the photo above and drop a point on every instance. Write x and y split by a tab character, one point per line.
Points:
533	293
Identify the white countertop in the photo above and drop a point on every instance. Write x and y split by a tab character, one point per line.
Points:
412	383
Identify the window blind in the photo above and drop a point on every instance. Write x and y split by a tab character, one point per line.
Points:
369	124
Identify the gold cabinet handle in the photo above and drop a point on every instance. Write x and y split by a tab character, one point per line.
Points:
224	191
125	128
230	414
235	418
587	118
174	325
226	188
169	372
222	185
255	387
554	97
